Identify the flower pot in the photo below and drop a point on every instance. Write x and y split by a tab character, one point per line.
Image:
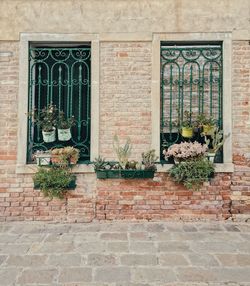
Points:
49	136
64	134
187	132
211	156
43	159
208	129
125	174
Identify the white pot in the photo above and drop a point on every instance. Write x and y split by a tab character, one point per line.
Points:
64	134
43	160
49	136
211	157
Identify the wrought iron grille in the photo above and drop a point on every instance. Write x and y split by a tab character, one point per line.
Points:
191	80
60	76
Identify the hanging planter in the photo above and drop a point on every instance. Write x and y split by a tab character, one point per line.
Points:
55	181
64	134
63	126
208	129
49	136
187	132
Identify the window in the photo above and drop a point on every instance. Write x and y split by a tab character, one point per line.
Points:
28	94
60	74
191	84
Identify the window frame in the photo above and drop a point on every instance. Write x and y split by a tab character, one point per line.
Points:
226	39
25	40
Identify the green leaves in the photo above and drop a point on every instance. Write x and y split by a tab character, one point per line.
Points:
192	173
54	181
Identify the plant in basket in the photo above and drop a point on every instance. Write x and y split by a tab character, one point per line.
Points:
64	125
46	119
207	123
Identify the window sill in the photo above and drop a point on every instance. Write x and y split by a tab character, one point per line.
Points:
83	168
219	168
32	169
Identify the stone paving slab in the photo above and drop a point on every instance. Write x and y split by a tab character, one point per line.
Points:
125	254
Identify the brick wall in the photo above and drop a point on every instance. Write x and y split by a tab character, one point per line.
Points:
125	99
241	128
124	109
161	198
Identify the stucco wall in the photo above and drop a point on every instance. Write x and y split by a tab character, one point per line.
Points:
110	16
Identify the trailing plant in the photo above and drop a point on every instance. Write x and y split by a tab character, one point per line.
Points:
148	159
192	173
53	181
122	152
63	122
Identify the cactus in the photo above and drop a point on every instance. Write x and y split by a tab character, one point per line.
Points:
148	159
122	152
217	140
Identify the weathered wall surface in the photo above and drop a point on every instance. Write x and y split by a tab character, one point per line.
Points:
110	16
125	96
125	108
241	128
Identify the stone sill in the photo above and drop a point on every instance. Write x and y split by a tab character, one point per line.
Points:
78	169
219	168
32	168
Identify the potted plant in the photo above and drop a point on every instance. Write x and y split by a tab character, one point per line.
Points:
122	152
42	157
46	120
185	151
215	142
65	156
192	173
63	126
125	168
54	181
207	124
187	126
192	168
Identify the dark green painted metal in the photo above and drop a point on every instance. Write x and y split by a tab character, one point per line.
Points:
191	79
61	76
124	174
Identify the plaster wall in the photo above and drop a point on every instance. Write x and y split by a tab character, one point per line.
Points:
123	16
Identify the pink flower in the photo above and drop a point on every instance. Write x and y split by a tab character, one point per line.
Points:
185	150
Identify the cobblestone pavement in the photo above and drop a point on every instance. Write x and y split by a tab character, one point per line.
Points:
125	254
